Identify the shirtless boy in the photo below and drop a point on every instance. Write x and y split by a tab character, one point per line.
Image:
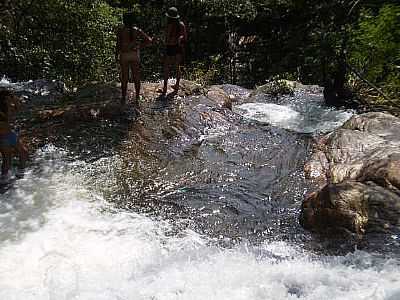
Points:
175	38
9	141
127	53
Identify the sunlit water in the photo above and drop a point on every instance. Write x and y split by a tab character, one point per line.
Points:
304	112
34	87
63	237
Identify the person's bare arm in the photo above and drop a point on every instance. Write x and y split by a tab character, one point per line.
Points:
182	34
147	39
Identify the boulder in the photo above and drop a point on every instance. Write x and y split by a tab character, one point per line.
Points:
358	167
337	207
275	88
220	97
351	206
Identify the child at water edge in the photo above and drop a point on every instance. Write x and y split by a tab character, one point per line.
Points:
10	144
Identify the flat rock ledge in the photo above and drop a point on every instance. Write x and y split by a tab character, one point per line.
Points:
43	118
358	169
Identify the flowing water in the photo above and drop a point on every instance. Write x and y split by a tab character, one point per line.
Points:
182	211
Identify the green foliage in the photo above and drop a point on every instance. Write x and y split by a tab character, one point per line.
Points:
241	9
375	48
242	42
205	74
69	40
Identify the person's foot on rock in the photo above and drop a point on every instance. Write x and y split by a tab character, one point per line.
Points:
175	87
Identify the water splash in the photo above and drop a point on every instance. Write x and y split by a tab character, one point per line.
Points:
305	112
4	81
60	238
36	90
80	247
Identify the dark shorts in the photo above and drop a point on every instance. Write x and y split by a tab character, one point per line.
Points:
9	139
173	50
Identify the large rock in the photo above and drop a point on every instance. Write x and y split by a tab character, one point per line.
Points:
353	206
220	97
358	167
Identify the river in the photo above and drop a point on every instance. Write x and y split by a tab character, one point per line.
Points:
206	214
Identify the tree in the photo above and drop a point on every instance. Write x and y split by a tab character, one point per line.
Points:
69	40
375	48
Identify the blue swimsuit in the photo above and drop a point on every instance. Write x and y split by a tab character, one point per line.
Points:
9	139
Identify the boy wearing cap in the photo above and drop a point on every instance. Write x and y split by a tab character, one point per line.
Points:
175	39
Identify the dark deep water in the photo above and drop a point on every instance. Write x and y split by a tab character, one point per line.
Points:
188	203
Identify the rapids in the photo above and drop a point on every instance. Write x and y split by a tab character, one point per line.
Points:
182	212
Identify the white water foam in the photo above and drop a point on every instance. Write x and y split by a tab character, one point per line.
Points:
4	81
301	117
41	88
75	246
274	114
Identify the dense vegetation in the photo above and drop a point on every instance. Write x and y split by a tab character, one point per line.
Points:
352	42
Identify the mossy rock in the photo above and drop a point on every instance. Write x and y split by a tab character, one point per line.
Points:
275	88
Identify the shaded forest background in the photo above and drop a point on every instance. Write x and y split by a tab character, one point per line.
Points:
246	42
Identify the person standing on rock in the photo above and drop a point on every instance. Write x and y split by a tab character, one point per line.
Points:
10	144
130	39
175	40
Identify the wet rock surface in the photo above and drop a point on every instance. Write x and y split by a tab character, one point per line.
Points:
360	163
185	157
48	117
122	199
195	159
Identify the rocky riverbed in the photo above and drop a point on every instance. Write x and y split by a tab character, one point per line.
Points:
198	197
356	165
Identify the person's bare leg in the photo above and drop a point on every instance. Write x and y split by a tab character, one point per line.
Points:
124	81
22	154
6	163
166	75
167	64
136	79
178	60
